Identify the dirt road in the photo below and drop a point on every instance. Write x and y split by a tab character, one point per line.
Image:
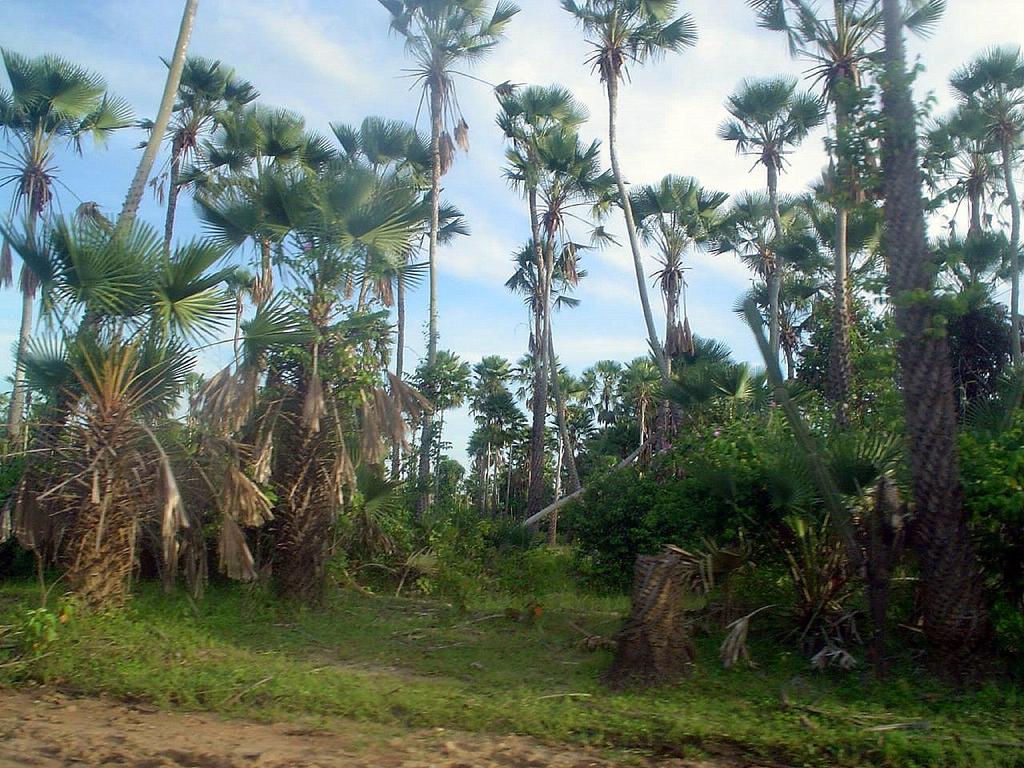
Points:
47	729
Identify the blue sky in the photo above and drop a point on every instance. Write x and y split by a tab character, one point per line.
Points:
334	61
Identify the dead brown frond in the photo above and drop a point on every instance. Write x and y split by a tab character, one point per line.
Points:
227	400
446	152
243	500
462	134
236	561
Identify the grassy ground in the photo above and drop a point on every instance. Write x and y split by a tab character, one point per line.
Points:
419	663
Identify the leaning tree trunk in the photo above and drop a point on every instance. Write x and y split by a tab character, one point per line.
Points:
653	646
163	118
16	414
563	428
634	245
436	118
955	618
1011	194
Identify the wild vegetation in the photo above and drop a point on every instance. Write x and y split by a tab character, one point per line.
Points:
824	546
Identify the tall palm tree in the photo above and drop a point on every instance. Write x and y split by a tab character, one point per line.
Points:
441	35
624	32
769	119
676	215
839	47
207	89
51	102
163	118
994	85
955	620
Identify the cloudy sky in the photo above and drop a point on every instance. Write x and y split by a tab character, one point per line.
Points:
334	61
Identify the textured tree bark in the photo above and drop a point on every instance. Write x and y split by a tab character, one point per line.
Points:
396	450
775	276
955	618
1011	194
535	490
172	192
653	646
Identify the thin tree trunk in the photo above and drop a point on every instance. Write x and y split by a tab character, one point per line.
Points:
535	492
974	201
436	118
563	429
396	450
163	118
1011	193
775	275
955	618
634	245
840	371
172	193
16	414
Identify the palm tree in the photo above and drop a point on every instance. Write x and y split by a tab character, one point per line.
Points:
163	118
676	215
955	619
207	89
624	32
840	47
994	85
439	36
959	155
769	120
639	387
51	102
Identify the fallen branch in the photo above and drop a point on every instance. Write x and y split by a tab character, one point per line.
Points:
237	697
556	505
566	696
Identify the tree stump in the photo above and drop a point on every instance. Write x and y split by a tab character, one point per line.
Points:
653	645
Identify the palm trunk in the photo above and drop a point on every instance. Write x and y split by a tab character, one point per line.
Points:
974	201
840	370
955	619
436	106
535	492
634	244
396	450
569	460
172	192
163	118
1011	194
775	275
16	414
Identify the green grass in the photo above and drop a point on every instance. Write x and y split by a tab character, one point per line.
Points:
421	663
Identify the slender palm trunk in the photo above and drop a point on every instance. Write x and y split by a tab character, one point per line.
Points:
535	492
569	455
1011	194
172	192
775	275
396	450
634	244
16	414
840	369
163	118
955	620
436	117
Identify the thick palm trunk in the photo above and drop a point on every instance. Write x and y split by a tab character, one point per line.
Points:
535	491
1011	194
775	275
974	201
172	192
436	105
163	118
634	245
955	620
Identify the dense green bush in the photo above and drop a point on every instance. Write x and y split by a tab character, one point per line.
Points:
992	466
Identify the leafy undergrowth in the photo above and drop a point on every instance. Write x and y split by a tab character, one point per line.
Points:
418	663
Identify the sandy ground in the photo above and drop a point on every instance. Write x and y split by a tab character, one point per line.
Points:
46	728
